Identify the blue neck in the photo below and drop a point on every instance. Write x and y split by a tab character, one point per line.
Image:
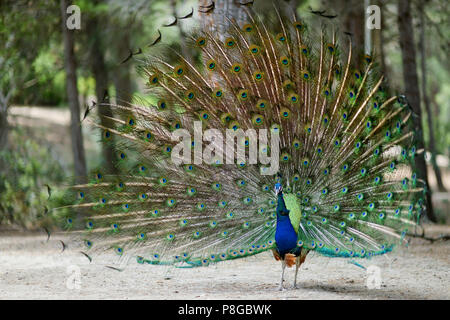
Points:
281	207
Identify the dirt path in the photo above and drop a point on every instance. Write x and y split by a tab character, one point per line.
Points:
31	268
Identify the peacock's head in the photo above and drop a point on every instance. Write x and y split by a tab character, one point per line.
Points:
278	184
278	188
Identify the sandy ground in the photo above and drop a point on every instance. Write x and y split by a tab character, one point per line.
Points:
31	268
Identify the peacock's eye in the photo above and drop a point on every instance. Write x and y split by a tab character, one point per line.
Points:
230	43
330	48
247	28
201	42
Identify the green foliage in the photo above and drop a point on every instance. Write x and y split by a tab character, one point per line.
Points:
86	85
439	94
26	167
49	84
25	29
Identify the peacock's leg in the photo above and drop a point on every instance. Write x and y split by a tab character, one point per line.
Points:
297	266
283	266
298	262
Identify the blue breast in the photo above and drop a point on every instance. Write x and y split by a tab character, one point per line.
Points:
285	235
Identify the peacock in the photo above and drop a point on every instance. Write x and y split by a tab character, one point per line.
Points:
334	171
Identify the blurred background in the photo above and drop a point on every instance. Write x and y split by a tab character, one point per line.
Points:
51	75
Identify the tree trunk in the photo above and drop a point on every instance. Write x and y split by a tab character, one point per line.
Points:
3	125
4	105
382	45
379	42
100	73
353	17
72	95
411	84
184	49
426	100
434	93
368	42
122	78
217	19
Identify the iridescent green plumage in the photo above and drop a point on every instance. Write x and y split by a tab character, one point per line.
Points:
346	154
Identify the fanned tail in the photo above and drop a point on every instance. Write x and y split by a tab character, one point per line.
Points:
346	154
